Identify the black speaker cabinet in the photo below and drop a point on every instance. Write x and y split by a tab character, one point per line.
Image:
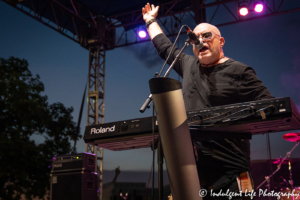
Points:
80	185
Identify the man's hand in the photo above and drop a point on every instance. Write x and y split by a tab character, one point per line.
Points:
149	12
118	171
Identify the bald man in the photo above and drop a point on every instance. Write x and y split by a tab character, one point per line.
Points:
212	79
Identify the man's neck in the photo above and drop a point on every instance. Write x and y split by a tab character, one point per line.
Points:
222	59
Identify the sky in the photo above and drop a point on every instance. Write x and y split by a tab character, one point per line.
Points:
270	45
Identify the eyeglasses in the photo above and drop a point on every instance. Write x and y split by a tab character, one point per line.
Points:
207	36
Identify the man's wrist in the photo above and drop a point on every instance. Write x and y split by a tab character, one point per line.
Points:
150	21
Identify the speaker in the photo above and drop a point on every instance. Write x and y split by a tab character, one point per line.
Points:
80	185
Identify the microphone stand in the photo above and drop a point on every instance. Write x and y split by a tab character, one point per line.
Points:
149	99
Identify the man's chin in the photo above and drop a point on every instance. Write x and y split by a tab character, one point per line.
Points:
205	57
205	60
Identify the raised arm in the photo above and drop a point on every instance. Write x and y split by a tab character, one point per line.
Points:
162	44
149	16
117	172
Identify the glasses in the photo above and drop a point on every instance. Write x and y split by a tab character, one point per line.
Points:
207	36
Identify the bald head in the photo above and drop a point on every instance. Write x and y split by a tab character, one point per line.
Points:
208	26
212	50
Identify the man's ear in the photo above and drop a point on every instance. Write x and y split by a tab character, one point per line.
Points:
222	41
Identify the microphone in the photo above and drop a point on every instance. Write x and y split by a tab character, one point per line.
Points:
192	36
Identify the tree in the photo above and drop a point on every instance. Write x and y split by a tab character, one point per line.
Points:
24	113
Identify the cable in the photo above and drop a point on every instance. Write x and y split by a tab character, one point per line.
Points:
171	50
198	121
239	118
147	186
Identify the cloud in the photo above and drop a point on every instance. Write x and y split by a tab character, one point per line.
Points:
147	54
144	52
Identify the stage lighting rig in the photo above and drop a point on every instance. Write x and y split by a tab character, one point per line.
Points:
243	9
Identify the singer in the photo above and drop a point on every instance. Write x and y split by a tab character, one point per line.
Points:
212	79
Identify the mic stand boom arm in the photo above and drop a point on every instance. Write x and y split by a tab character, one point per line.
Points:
149	99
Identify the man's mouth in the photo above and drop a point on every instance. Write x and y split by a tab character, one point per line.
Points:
203	49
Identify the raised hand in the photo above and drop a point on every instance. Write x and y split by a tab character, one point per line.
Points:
149	12
118	171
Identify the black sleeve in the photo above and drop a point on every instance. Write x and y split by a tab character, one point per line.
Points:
163	46
251	88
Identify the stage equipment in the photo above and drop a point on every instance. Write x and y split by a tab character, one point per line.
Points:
277	161
73	162
73	177
193	37
235	121
258	6
142	34
243	8
175	138
295	138
292	137
76	185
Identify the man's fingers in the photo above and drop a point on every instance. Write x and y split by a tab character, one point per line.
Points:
149	8
145	9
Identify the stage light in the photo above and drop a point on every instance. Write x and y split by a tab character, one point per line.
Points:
142	34
258	6
243	11
243	8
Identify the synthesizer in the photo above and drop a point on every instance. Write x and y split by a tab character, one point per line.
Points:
240	120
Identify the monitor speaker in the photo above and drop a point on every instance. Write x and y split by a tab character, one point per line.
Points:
80	185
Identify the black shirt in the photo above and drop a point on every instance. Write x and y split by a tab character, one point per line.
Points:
219	160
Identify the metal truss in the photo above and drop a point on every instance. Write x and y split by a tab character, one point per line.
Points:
96	104
69	18
75	21
134	18
96	84
220	13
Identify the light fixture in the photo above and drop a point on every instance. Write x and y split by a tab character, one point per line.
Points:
243	8
258	6
142	34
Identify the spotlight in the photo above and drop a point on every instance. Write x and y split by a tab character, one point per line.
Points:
243	8
142	34
258	6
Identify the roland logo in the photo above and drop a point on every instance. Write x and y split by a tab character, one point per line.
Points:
103	130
